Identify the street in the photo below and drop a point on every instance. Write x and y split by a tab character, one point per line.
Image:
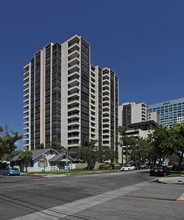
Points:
121	195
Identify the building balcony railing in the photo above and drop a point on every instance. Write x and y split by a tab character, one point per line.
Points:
74	116
73	144
106	93
26	101
26	122
74	75
26	128
26	84
26	106
73	122
26	95
26	111
73	89
73	69
72	48
72	83
72	108
73	62
26	79
106	82
74	138
26	90
73	130
73	55
75	95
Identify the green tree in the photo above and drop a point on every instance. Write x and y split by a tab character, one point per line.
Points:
25	157
158	143
39	146
175	142
56	146
13	154
140	151
105	153
87	152
8	141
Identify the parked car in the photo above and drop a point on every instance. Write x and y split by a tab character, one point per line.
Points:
127	167
175	167
143	166
10	171
137	167
158	170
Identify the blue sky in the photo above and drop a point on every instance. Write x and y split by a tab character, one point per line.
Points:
141	40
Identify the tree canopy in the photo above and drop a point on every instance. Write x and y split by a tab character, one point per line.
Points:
8	141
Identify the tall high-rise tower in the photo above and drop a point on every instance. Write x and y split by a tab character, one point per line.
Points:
68	100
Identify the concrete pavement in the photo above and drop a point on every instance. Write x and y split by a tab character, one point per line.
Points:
172	180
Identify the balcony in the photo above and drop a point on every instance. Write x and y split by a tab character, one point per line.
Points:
26	74
92	85
72	48
73	69
73	122
74	82
26	95
106	143
74	77
26	123
26	101
106	138
73	144
72	108
26	90
73	116
26	85
106	77
106	88
73	89
74	137
106	83
73	96
73	55
74	61
106	93
106	99
26	79
26	106
26	111
106	108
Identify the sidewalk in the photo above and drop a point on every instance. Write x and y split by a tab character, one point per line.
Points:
172	180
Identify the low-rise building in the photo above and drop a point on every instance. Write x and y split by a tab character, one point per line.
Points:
45	160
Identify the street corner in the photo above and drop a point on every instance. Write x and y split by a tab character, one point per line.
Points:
170	180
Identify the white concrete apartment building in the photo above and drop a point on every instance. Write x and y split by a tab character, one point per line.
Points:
67	99
130	113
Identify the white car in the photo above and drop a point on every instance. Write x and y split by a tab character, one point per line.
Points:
127	167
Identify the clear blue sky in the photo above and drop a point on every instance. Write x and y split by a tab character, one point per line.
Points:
141	40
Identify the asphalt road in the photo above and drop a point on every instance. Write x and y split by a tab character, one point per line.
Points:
122	195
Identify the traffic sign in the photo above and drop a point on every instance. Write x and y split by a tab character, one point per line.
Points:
44	159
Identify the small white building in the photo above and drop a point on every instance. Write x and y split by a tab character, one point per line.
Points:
45	160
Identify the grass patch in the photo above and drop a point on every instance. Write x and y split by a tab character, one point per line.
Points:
72	172
174	175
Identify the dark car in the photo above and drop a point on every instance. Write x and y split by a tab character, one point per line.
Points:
10	171
175	167
158	170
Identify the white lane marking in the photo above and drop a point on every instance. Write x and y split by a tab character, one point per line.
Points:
67	209
181	198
